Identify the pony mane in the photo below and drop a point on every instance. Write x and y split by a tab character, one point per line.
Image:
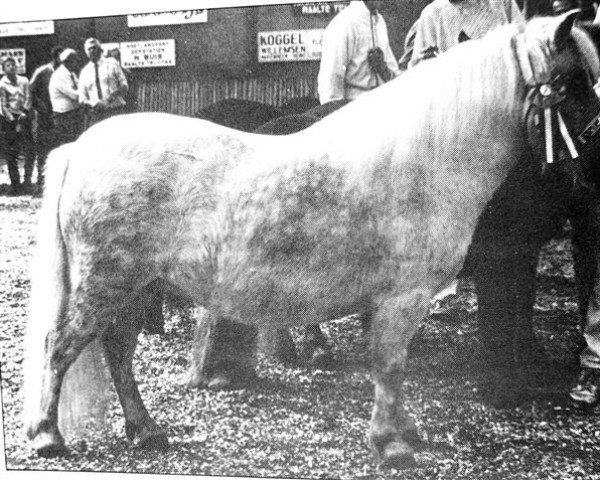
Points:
470	92
474	87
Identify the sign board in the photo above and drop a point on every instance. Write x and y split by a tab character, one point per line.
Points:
289	45
318	8
18	54
167	18
21	29
148	53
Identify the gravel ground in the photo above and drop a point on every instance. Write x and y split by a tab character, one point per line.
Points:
298	423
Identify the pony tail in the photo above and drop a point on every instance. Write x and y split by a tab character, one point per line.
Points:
86	382
84	397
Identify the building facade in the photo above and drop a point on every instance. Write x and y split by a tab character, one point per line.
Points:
180	62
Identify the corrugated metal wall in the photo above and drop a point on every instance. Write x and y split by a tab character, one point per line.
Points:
187	97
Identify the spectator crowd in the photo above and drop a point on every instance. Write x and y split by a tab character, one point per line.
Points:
55	107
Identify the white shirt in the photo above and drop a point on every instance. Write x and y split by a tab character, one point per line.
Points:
442	22
344	72
63	90
14	97
111	78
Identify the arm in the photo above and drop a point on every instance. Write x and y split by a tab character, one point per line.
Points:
35	87
4	110
122	85
65	87
426	42
332	70
83	92
27	94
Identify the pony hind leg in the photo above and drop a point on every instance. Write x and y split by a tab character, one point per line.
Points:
393	434
64	342
119	342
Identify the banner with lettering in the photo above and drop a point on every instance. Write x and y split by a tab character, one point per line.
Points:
167	18
289	45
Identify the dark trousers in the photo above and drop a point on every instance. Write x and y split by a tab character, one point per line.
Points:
16	140
94	116
68	126
45	141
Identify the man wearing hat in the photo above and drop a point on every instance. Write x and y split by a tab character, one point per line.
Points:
102	84
67	113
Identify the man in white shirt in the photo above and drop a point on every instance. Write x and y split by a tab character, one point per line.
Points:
445	23
67	113
356	54
102	84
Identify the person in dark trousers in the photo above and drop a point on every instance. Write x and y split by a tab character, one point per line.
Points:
15	126
40	100
67	113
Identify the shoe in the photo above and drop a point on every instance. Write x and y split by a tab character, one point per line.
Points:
586	393
27	187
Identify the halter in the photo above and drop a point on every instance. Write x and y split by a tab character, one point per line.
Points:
542	106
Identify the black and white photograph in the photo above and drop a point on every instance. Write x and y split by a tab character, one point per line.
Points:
300	240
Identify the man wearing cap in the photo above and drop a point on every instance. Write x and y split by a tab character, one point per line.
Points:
356	54
40	101
15	125
67	113
102	84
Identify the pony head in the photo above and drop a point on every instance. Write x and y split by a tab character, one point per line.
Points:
560	67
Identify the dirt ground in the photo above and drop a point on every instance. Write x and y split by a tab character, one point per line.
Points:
298	423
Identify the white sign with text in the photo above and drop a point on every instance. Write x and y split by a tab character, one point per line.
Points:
148	53
289	45
167	18
21	29
18	54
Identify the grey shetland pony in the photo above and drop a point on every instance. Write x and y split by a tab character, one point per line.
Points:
368	210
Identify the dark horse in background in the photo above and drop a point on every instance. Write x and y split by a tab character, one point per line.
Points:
528	210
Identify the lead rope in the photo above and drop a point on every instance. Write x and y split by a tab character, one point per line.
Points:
374	43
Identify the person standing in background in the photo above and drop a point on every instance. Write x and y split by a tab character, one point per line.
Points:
15	126
67	113
445	23
102	85
130	98
356	54
40	101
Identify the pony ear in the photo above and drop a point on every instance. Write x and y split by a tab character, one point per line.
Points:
563	29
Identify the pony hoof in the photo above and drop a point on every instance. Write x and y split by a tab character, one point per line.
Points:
321	359
49	445
154	441
414	440
398	455
219	382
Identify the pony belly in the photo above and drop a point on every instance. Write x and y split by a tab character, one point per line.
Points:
287	297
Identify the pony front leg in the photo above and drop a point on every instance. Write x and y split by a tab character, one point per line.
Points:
120	341
223	353
392	430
